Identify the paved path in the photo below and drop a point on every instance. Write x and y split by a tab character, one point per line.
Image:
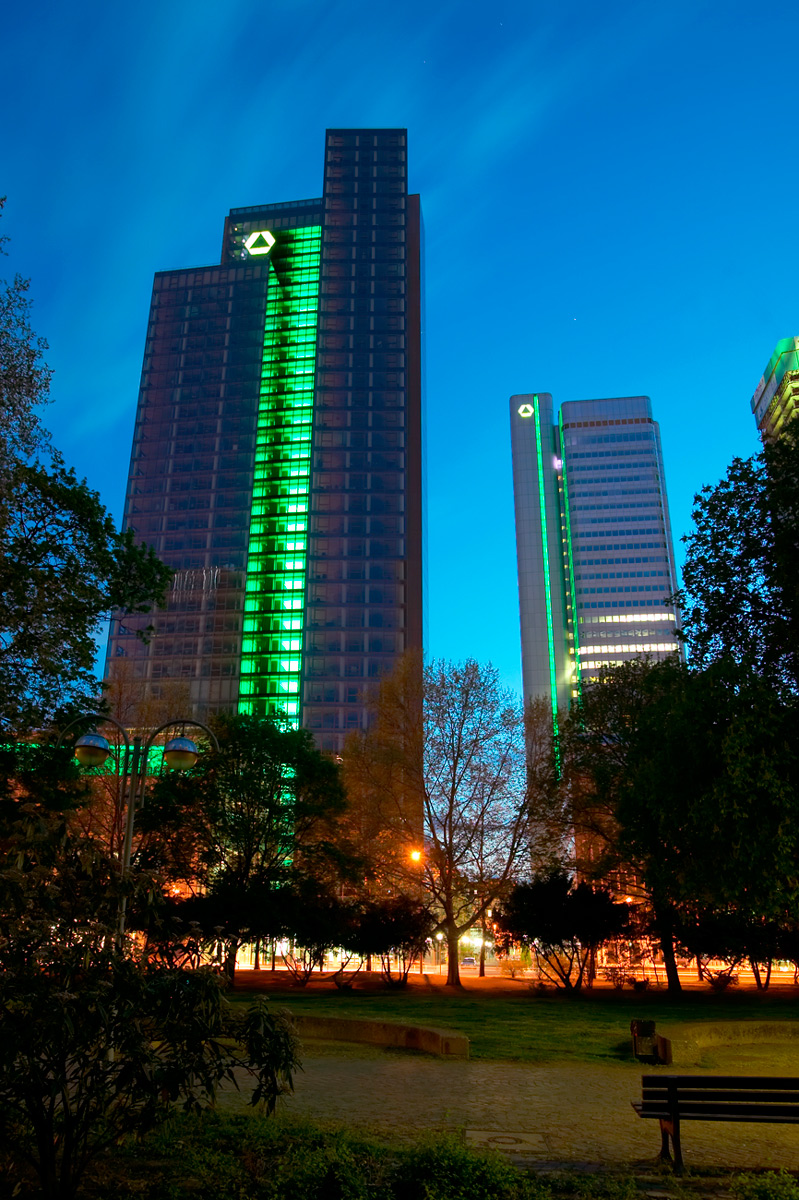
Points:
575	1114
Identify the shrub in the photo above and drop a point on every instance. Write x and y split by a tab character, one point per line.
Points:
445	1169
203	1158
772	1185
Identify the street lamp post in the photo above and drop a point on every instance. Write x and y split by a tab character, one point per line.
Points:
92	750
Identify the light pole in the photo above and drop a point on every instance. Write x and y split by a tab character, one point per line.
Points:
92	750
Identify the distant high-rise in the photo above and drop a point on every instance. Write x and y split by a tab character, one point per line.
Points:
776	399
593	538
277	456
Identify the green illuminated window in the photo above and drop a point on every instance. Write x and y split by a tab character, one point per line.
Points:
276	562
542	503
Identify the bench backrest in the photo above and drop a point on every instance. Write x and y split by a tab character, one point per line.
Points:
768	1096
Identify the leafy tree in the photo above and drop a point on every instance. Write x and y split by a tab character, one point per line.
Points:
740	599
314	920
733	934
245	825
670	770
64	566
561	922
715	934
96	1043
395	929
24	376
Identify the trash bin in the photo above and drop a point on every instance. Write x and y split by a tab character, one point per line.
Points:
645	1040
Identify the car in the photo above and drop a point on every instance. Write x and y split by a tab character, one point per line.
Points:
469	961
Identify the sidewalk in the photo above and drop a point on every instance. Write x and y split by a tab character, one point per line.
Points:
572	1115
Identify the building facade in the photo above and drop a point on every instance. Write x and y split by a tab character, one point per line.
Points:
277	454
776	399
593	537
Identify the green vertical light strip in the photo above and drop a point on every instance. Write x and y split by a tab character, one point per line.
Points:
553	674
273	641
570	558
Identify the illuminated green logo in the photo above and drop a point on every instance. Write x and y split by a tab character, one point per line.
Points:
525	410
260	242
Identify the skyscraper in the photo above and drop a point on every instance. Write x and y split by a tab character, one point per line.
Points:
277	452
593	539
776	399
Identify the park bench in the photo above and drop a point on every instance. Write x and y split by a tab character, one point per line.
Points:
671	1099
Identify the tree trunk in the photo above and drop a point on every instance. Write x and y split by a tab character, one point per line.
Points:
231	953
669	961
482	971
453	966
256	963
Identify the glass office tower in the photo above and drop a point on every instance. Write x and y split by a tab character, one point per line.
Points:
593	537
277	452
776	399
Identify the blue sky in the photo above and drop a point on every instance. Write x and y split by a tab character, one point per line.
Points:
608	192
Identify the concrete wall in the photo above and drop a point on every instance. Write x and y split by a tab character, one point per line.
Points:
384	1033
686	1042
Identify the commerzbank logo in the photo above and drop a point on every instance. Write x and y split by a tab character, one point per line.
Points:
260	242
526	410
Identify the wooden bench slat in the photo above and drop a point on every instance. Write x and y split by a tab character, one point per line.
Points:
748	1082
696	1111
719	1096
749	1118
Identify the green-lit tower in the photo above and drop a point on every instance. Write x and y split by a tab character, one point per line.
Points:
277	456
593	541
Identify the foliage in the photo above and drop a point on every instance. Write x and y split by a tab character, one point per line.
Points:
562	922
395	928
243	828
315	921
443	1168
64	566
771	1185
96	1043
732	935
24	376
740	599
669	769
297	1160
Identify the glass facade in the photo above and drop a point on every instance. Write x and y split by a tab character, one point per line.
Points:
614	568
776	398
281	408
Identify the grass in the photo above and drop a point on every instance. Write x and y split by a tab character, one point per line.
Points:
554	1028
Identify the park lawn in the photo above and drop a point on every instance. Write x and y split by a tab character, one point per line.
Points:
551	1028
